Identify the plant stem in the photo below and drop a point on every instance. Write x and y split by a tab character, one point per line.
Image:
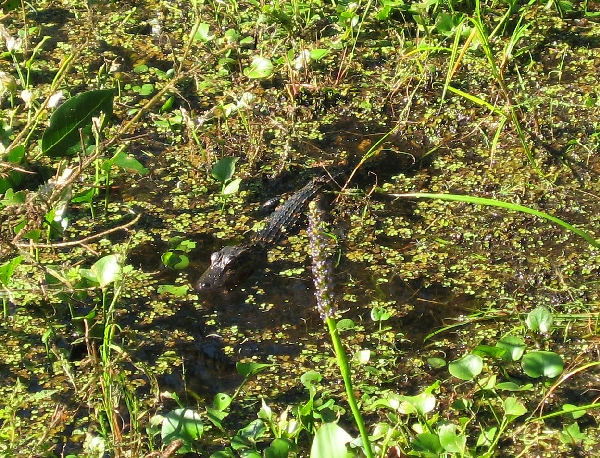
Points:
340	354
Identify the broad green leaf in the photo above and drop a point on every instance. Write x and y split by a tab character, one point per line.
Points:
422	403
232	187
513	407
451	441
259	68
203	33
221	401
428	444
247	369
330	442
224	169
317	54
75	114
177	291
466	368
8	268
107	269
12	178
280	448
575	411
542	363
184	424
514	346
129	163
539	320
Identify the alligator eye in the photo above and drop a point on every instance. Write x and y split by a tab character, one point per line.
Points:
215	256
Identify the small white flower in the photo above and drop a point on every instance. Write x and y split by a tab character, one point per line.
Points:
55	99
13	44
27	97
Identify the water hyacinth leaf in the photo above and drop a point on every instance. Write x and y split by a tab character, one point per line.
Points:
514	346
184	424
232	187
575	411
436	363
177	291
488	350
12	178
345	324
380	314
466	368
76	113
422	403
129	163
317	54
107	269
450	441
428	444
514	408
104	271
542	363
13	198
259	68
572	435
249	435
330	442
203	33
247	369
224	169
7	269
280	448
539	320
175	261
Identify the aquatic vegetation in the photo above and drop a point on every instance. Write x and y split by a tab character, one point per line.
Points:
465	305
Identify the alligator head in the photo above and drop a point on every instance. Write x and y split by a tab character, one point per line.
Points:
229	266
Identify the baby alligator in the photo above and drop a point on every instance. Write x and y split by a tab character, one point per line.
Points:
233	264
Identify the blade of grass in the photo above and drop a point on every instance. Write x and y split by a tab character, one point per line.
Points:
510	206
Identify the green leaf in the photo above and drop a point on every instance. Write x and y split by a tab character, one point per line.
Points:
107	269
221	401
575	411
259	68
422	403
224	169
428	445
542	363
7	269
12	178
539	320
129	163
467	367
330	442
450	441
514	408
75	114
280	448
13	198
232	187
177	291
184	424
203	33
175	261
514	346
247	369
317	54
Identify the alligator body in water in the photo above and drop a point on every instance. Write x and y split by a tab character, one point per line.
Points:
233	264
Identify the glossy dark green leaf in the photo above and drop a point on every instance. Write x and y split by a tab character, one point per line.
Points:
75	114
542	363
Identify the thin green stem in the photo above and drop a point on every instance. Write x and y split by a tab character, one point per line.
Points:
340	354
